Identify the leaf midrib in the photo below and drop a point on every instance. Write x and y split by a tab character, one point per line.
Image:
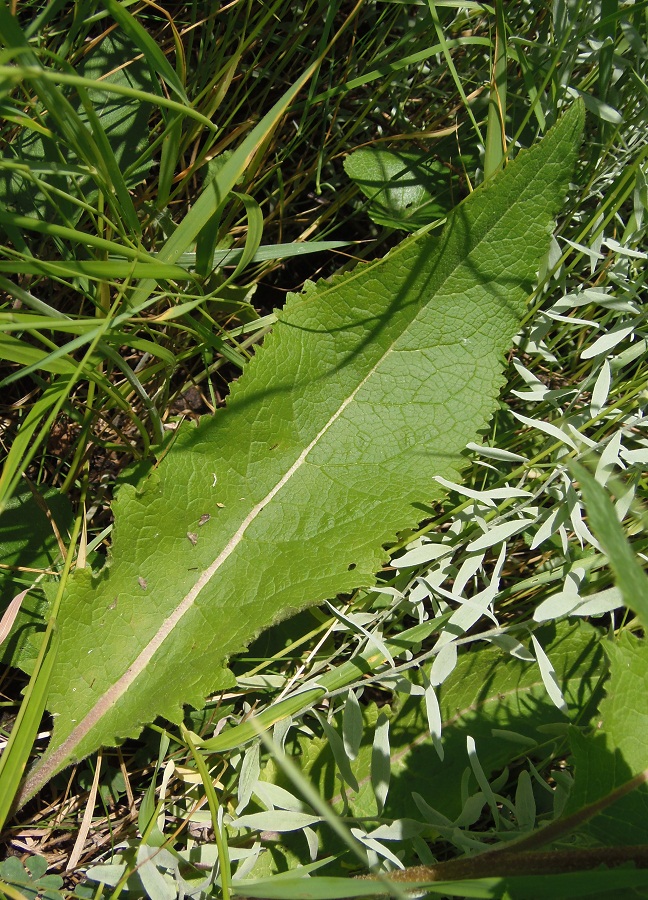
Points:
65	750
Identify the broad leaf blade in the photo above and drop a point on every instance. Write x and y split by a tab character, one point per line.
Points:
369	386
611	766
407	190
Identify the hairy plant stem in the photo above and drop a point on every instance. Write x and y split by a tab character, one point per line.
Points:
508	862
520	857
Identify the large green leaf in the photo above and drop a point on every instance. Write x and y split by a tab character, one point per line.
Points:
611	766
610	795
370	386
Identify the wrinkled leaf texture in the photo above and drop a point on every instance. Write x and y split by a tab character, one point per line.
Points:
370	385
611	765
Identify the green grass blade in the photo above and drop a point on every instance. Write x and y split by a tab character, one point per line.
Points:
169	156
254	233
82	238
90	145
446	47
44	411
495	149
212	801
14	74
629	574
388	69
21	740
98	269
217	191
225	180
156	60
265	253
31	358
113	177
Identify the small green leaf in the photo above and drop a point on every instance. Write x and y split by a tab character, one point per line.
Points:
381	762
342	760
277	820
407	190
29	879
352	725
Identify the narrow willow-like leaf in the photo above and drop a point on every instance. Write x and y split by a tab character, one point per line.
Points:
369	386
499	701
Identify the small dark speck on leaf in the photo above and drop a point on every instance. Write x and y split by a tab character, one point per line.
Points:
193	538
352	566
204	519
142	583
